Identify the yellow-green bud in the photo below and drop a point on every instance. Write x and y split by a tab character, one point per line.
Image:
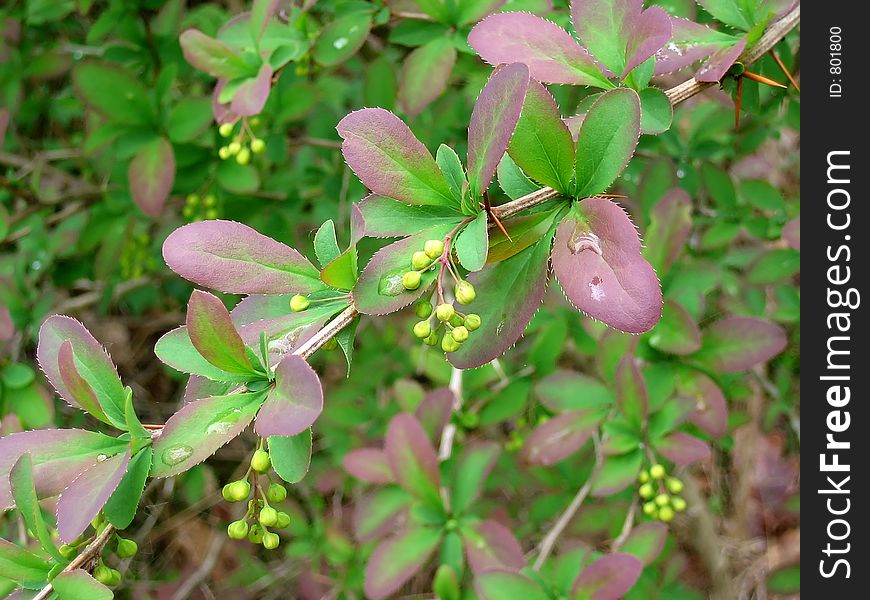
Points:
420	260
456	321
276	493
127	548
666	514
433	248
271	541
255	533
283	520
258	146
643	476
423	309
234	148
67	551
298	303
432	339
650	508
411	280
674	485
260	462
268	516
244	156
237	530
678	503
448	344
657	471
226	130
103	574
465	293
646	491
445	312
239	490
460	334
662	500
227	492
472	322
224	152
209	200
192	199
422	329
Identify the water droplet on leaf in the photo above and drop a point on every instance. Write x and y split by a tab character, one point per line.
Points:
391	284
176	454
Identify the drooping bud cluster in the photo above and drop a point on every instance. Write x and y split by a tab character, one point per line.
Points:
659	493
137	259
244	143
197	208
124	549
456	326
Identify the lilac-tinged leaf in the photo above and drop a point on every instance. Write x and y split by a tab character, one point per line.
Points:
78	584
380	513
690	42
608	578
552	55
434	411
197	431
213	334
369	464
379	289
80	391
84	498
493	121
542	145
384	217
151	175
599	266
718	64
92	363
669	230
646	541
122	505
677	332
199	387
295	402
507	585
251	96
233	258
561	436
221	110
739	343
619	33
683	449
472	469
397	559
425	74
631	392
791	233
473	11
390	160
606	142
711	408
175	349
490	545
564	391
213	56
508	294
412	458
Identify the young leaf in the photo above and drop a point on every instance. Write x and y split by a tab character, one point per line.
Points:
92	362
84	498
507	585
412	458
450	165
492	124
425	73
250	97
377	514
151	175
513	181
656	111
542	146
677	332
646	542
291	455
620	33
341	273
390	160
490	545
611	576
561	436
397	559
27	502
213	56
552	55
631	392
739	343
295	402
80	391
325	243
474	466
508	295
369	464
233	258
123	503
214	336
197	431
176	349
472	243
385	217
683	449
564	391
79	585
606	142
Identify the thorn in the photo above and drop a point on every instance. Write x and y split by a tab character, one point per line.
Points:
763	79
738	100
785	70
488	207
612	196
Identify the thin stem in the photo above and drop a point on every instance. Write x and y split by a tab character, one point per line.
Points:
627	526
445	449
327	333
93	551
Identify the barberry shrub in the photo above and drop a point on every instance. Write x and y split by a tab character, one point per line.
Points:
508	420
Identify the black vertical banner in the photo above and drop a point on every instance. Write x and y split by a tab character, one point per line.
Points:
834	409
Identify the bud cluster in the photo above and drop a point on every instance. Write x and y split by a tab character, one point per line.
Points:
444	322
197	208
659	493
240	147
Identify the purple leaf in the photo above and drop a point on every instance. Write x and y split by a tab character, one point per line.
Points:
295	402
413	458
213	56
86	495
435	410
711	409
683	449
221	110
646	541
564	391
549	51
600	268
380	513
251	96
80	391
233	258
151	175
619	33
791	233
490	545
690	42
608	578
369	464
213	334
670	229
397	559
390	160
58	455
493	121
739	343
560	437
199	387
631	392
93	363
718	64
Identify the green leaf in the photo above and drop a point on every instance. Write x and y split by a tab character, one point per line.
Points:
378	511
17	376
719	185
345	339
677	332
176	350
341	38
777	265
607	139
512	180
619	471
342	272
22	566
131	419
214	336
27	503
762	196
236	178
646	541
113	92
291	455
631	393
425	75
325	243
215	57
541	145
189	119
472	243
397	559
508	585
79	585
656	112
124	501
473	467
385	217
729	12
451	167
564	391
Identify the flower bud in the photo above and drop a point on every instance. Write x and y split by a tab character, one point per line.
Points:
460	334
103	574
260	461
276	493
234	148
643	476
423	309
127	548
255	533
445	312
239	490
657	471
209	200
67	551
268	516
432	340
674	485
227	493
258	146
472	322
433	248
448	344
662	500
271	540
678	503
283	520
237	530
666	514
646	491
422	329
420	260
244	156
650	508
465	293
226	130
298	303
411	280
224	152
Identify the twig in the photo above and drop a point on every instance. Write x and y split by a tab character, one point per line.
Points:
92	551
446	447
332	328
203	570
627	526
